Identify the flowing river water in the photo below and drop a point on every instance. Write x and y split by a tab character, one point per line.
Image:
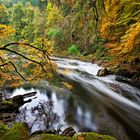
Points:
98	104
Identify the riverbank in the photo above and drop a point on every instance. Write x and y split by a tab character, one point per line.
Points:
19	131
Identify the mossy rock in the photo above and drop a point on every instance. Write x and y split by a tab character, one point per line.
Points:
8	106
103	72
18	132
12	104
82	136
94	136
6	103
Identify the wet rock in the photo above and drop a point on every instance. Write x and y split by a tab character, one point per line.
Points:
121	79
12	105
7	117
69	132
53	131
103	72
7	106
127	76
18	100
0	97
117	70
124	72
37	132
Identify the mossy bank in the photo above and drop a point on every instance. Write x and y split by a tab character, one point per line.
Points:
19	131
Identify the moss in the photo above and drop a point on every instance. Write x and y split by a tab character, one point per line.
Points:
51	137
20	132
3	129
17	132
5	103
82	136
95	136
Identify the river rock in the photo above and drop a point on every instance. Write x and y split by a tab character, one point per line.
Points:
0	97
7	117
12	104
7	106
18	100
103	72
68	132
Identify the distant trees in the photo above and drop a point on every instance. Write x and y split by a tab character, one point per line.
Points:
20	59
22	21
85	22
79	21
120	25
4	14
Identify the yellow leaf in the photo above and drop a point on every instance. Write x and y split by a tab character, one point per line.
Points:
68	86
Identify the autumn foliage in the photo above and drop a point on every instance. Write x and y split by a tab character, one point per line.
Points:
106	30
121	26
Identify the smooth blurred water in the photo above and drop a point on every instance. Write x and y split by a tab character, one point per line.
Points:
98	104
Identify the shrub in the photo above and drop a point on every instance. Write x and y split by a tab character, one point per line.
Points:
73	49
100	52
54	33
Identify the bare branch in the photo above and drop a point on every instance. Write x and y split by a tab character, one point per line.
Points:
17	70
32	46
15	52
40	63
2	65
26	44
10	62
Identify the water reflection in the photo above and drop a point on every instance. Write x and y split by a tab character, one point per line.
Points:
87	108
68	109
42	115
43	112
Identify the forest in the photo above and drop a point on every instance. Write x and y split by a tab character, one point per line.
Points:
36	34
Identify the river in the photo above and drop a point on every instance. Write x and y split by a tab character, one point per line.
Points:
99	104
